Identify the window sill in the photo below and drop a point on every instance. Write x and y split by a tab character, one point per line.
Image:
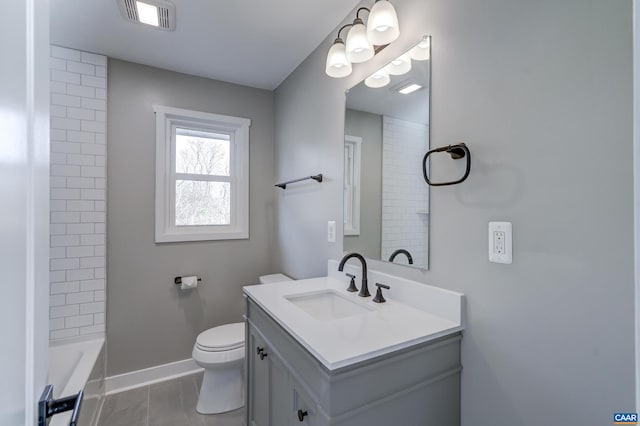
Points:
180	236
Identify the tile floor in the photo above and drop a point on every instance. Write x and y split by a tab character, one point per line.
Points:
171	403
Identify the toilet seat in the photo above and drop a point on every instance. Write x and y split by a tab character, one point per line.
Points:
222	338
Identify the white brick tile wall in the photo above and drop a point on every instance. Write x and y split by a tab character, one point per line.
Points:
64	53
405	196
65	287
80	274
56	324
84	137
92	58
58	87
65	100
57	300
98	318
95	104
78	320
56	276
92	308
64	334
96	328
91	285
82	297
80	228
81	68
64	311
78	176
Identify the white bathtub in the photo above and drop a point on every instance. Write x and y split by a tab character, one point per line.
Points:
75	365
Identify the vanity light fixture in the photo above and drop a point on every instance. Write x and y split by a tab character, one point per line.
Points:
359	48
378	79
409	88
422	51
400	65
382	28
337	63
382	25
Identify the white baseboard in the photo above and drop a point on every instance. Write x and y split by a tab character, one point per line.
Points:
149	376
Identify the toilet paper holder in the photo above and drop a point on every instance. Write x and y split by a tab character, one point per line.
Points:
178	280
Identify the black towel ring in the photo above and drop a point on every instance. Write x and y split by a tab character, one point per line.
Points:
457	152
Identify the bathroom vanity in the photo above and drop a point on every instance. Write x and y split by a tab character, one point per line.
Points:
319	355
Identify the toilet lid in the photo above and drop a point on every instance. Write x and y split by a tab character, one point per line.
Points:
222	338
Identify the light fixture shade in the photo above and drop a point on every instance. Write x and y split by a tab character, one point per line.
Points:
378	79
422	51
400	65
358	47
337	63
382	25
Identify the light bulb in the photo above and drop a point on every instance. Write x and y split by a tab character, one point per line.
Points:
382	25
358	47
400	65
147	13
378	79
422	51
337	63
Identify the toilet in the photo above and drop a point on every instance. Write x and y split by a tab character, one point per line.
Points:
220	351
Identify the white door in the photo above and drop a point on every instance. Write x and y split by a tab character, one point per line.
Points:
24	207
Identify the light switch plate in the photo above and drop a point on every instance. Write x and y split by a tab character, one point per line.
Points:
331	231
500	242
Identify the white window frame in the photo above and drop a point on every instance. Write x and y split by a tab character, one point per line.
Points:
167	119
351	195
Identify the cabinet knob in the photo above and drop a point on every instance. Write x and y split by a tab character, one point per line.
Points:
259	350
301	415
263	355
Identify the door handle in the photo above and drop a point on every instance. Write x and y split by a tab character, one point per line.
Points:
47	406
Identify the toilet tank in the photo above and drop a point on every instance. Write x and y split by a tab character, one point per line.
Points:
273	278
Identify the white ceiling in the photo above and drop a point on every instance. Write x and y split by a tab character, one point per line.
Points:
250	42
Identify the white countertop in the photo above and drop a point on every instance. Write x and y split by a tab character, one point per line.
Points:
387	327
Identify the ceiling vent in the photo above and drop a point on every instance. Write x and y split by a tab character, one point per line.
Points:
158	14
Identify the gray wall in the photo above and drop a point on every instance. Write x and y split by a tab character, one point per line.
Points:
148	321
369	127
542	93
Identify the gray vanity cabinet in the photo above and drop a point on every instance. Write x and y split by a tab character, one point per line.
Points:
288	386
269	385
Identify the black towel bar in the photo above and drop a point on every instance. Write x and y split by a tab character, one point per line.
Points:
283	185
457	152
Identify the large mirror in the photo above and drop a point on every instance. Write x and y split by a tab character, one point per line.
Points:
386	200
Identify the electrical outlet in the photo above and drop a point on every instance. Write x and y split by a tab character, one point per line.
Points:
500	242
331	231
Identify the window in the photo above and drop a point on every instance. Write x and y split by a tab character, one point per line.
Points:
202	176
352	148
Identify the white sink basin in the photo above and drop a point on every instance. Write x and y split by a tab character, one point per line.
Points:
327	305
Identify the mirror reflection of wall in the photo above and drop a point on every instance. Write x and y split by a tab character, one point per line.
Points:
386	201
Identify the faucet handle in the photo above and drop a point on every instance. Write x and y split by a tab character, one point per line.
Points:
379	298
352	285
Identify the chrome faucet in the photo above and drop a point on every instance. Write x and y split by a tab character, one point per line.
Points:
364	289
401	251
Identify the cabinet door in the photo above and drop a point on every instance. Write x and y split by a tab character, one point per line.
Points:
280	392
258	380
304	409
